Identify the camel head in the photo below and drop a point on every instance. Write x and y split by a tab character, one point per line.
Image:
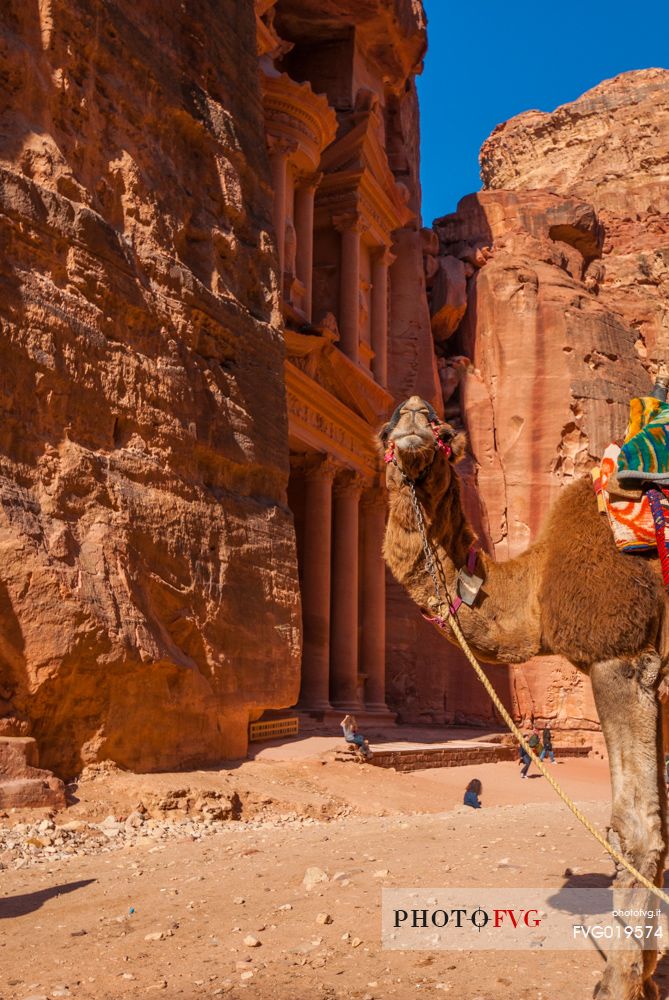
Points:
418	446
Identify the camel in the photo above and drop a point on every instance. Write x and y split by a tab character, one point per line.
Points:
571	593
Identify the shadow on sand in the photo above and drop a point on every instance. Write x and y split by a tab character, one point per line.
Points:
19	906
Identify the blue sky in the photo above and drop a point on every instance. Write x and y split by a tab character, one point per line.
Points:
488	61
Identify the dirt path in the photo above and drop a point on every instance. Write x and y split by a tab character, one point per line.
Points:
170	916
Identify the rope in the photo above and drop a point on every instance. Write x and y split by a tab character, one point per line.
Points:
455	625
655	502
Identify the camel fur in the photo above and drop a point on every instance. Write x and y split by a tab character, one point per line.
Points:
571	593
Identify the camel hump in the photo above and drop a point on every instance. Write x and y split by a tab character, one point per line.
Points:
596	601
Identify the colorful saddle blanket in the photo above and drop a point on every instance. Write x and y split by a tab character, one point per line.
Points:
631	521
644	456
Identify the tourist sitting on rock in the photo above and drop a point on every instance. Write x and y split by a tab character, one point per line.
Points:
351	735
474	789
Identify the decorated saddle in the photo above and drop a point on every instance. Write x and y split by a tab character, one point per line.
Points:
632	482
629	511
644	455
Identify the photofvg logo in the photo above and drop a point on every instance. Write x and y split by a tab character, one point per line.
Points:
516	919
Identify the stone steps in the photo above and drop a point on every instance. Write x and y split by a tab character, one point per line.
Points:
418	758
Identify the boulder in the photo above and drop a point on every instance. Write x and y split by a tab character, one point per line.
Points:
23	784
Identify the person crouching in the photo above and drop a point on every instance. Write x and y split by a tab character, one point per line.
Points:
474	789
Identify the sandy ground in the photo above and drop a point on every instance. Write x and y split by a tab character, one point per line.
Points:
78	927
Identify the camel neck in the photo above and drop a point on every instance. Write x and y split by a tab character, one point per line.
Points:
450	529
495	630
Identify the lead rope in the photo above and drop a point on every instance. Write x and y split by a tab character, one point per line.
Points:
430	563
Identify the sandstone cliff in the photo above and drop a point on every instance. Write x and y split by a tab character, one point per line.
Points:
610	148
553	282
149	602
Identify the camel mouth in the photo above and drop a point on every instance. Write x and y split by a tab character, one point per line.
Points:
414	452
411	441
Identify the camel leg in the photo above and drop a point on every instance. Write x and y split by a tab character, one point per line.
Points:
625	693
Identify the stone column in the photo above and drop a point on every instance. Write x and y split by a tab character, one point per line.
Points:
349	287
304	226
315	691
344	635
279	151
381	261
373	595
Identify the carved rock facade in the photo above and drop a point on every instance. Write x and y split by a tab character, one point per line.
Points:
357	328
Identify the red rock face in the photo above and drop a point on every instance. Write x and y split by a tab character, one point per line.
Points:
565	317
553	367
149	596
610	148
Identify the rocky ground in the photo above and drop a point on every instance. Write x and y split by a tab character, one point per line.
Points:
265	881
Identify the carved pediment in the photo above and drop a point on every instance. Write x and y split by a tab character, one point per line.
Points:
322	361
360	145
319	421
358	176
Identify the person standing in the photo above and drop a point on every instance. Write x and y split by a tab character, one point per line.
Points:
533	743
548	743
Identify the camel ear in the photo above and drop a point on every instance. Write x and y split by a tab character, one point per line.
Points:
458	445
457	440
384	431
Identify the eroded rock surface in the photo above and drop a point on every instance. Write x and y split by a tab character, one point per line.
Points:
149	602
611	148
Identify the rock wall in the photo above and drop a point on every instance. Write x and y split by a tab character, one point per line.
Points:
553	283
149	603
149	596
610	147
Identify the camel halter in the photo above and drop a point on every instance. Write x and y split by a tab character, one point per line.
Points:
470	583
435	570
439	445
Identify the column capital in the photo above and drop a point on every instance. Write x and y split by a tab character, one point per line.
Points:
320	467
309	181
349	483
345	222
383	255
280	145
